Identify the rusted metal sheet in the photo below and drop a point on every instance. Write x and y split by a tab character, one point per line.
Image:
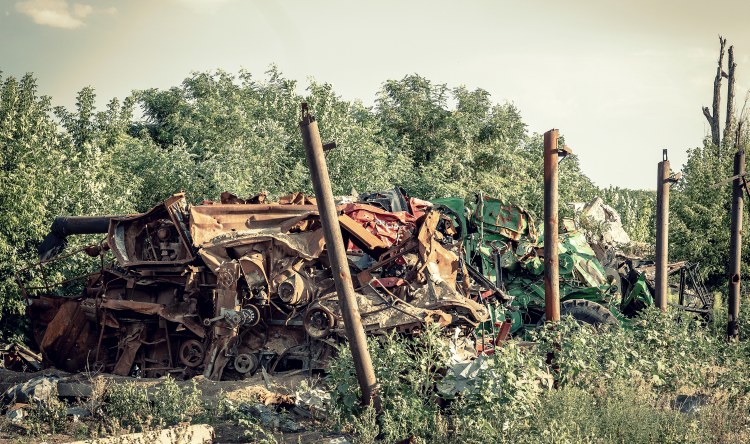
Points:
209	222
68	338
390	228
369	240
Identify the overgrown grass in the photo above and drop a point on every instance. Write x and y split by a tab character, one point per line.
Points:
615	385
667	378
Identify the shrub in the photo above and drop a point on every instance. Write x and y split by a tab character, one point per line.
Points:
129	406
610	385
47	416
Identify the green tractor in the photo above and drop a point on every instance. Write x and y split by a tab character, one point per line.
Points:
504	247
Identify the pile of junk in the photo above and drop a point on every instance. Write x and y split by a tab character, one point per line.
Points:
227	288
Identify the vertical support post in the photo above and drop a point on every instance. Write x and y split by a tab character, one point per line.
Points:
551	260
336	249
735	245
662	232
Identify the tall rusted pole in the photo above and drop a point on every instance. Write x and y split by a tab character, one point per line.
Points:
336	249
735	246
551	261
662	232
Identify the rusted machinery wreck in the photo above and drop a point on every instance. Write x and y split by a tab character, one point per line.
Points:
225	288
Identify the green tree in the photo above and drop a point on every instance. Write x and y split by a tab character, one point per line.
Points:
30	147
699	219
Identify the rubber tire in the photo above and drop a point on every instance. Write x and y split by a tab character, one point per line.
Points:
586	312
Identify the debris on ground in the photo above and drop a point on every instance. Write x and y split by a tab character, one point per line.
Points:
19	358
16	413
311	402
689	404
290	407
270	418
39	389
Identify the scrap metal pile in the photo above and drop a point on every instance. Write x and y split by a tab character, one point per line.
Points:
226	288
598	285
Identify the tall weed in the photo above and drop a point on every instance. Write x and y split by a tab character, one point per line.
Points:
574	384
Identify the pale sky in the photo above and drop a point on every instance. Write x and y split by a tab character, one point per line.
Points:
621	79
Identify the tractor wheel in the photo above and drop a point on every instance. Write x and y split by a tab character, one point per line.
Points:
586	312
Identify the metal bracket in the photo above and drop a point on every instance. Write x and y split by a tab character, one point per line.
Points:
744	185
728	180
563	152
674	178
305	115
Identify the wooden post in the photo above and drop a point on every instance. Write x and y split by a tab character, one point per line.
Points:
551	261
336	249
735	246
662	232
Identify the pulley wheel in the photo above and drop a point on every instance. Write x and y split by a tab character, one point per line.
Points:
318	322
245	363
191	353
251	316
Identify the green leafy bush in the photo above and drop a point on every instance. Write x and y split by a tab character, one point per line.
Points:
130	406
407	371
572	384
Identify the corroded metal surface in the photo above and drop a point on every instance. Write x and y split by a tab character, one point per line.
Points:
224	289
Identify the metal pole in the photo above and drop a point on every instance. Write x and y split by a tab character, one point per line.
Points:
662	232
735	246
551	261
336	249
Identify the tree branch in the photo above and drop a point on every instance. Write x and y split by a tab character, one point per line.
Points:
707	113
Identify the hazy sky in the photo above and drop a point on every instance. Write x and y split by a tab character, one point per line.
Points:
621	79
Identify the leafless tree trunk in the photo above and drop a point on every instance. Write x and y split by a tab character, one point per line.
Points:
729	125
715	118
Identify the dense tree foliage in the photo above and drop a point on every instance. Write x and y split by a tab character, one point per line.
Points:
701	213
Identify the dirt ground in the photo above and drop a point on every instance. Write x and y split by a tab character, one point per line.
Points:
268	389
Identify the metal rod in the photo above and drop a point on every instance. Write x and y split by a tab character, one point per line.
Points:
551	261
735	247
683	273
336	249
662	232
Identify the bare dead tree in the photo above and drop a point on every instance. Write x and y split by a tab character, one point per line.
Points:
715	118
741	132
728	126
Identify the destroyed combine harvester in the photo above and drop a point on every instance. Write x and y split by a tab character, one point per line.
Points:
225	289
